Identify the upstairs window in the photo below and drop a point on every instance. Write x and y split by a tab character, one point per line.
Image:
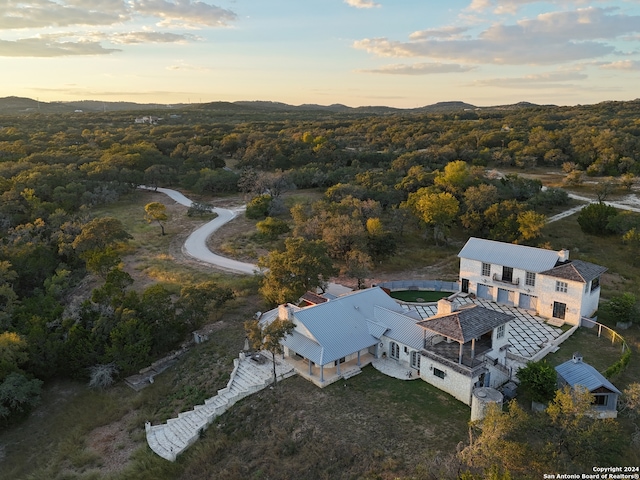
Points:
486	269
562	287
500	331
530	279
595	284
507	274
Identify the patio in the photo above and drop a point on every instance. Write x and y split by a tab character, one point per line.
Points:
527	333
330	373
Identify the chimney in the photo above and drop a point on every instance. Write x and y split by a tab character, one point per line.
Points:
577	357
284	312
445	307
563	255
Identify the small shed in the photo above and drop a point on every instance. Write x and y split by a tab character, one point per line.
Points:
576	372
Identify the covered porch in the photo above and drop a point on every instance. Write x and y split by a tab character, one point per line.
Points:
323	375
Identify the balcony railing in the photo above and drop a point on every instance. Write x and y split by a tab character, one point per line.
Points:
496	278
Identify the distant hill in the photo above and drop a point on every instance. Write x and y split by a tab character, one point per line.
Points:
14	105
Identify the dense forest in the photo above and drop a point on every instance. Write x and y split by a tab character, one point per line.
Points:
381	176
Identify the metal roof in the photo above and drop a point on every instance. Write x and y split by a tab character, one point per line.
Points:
340	326
401	328
530	259
580	373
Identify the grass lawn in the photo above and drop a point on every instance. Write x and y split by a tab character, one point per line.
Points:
419	295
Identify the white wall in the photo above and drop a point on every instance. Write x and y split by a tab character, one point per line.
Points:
454	383
572	298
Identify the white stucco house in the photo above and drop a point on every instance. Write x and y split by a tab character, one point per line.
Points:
544	281
456	350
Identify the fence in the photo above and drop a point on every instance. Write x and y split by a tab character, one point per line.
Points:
433	285
604	331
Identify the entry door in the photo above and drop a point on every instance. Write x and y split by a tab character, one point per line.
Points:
559	310
465	285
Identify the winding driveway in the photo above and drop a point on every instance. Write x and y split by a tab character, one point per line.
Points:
196	244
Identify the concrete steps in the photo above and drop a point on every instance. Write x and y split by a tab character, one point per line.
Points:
177	434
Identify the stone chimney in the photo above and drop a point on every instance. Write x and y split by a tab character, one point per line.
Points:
445	307
563	255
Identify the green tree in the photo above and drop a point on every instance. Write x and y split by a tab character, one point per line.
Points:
358	265
437	210
156	212
269	337
18	394
538	379
594	218
258	207
530	224
197	302
303	265
100	233
271	227
620	308
13	353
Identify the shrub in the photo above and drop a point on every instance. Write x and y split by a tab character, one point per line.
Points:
594	218
272	227
258	207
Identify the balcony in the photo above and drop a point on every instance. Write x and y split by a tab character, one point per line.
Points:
498	279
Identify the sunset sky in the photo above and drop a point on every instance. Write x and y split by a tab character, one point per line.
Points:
402	53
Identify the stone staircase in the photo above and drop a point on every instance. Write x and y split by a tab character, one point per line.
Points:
174	437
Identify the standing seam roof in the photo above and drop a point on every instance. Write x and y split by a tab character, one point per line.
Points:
530	259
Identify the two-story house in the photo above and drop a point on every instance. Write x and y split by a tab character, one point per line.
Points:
544	281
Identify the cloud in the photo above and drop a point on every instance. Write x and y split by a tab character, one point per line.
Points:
133	38
419	69
362	3
19	14
50	46
549	38
184	12
512	6
15	14
625	65
187	67
541	80
444	32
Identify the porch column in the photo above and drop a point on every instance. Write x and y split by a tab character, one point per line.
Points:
473	348
338	367
460	354
310	368
358	358
322	373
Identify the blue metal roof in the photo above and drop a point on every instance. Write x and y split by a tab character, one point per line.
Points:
580	373
530	259
340	326
402	329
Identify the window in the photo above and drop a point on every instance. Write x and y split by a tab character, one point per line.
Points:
562	287
342	360
595	283
500	331
486	269
507	274
415	360
438	373
600	400
395	350
530	279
